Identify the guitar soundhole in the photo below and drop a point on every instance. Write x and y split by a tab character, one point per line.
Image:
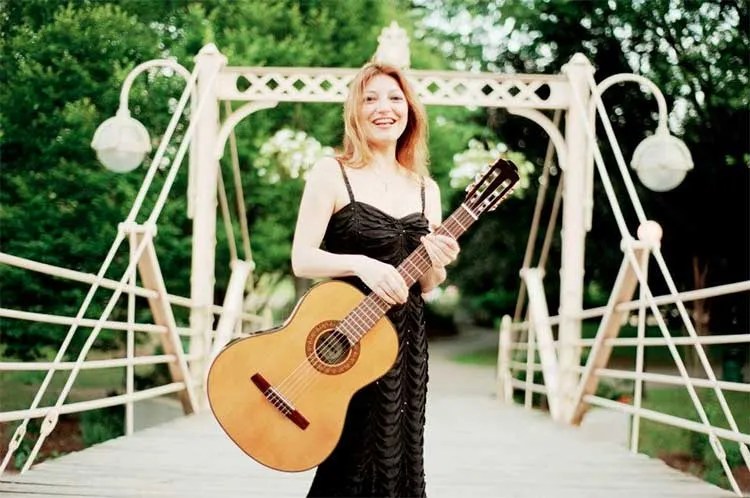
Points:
332	347
329	350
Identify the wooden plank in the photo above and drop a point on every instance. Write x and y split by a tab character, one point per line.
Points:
152	278
609	328
539	317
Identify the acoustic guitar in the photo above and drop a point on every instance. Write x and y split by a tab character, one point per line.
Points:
282	395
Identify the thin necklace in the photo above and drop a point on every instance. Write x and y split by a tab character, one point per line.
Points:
382	180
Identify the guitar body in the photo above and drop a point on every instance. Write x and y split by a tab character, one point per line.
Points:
282	395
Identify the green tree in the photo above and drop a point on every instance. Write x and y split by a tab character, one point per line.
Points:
57	204
63	71
697	53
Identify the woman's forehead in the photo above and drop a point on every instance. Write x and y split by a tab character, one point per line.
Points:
382	82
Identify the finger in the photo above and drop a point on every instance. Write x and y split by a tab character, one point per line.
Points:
439	252
429	248
398	287
395	294
384	294
449	243
448	247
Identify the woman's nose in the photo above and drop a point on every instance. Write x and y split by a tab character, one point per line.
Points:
382	104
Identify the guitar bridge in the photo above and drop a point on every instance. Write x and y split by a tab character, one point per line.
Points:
277	400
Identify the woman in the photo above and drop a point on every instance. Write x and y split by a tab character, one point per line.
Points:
360	216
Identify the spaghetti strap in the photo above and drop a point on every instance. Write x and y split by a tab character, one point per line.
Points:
346	181
422	194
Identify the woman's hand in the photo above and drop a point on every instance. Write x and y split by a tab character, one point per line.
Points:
383	279
442	250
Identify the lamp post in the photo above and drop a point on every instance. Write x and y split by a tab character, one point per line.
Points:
661	160
121	142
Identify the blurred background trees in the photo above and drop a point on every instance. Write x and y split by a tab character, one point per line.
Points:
63	65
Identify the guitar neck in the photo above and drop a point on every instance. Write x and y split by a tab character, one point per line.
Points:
418	262
362	318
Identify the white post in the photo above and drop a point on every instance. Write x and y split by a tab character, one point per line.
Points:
130	344
504	386
635	425
539	318
573	231
205	176
232	306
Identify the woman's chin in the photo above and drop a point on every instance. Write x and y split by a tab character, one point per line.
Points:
383	137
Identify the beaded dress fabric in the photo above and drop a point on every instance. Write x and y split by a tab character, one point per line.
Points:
380	453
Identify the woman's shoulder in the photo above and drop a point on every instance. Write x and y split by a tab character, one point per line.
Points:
324	168
326	164
430	185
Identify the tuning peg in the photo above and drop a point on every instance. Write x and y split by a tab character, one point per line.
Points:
470	186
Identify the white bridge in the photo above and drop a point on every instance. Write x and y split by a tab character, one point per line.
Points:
478	442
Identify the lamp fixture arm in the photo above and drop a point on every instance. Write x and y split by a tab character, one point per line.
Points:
137	70
661	102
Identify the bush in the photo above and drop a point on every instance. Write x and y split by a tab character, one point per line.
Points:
440	309
102	425
702	450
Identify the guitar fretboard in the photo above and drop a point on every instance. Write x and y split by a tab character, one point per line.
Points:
362	318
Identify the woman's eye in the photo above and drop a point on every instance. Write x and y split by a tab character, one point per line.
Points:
397	98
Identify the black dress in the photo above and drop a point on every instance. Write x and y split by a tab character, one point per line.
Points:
380	453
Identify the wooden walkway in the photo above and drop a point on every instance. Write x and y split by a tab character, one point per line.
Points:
475	447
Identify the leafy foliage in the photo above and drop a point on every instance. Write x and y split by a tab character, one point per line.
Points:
696	53
64	68
64	64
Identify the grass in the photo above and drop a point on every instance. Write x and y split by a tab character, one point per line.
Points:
486	356
653	355
73	431
657	439
18	388
691	451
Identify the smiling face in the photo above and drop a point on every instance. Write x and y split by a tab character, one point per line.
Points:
383	110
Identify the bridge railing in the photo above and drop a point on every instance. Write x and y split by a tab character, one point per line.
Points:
528	365
166	332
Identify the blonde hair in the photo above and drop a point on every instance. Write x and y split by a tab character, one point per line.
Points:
411	147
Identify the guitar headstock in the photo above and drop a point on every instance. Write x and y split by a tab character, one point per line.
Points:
491	186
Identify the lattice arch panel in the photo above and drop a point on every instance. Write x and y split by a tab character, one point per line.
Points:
434	87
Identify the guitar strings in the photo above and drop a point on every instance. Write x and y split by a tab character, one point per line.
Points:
296	383
299	382
370	308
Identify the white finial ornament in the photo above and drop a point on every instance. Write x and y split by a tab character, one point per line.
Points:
393	47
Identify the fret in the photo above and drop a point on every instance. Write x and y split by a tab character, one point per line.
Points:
471	213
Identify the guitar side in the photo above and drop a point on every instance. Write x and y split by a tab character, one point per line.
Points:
318	392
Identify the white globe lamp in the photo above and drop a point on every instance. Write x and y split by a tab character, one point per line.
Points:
121	142
661	161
